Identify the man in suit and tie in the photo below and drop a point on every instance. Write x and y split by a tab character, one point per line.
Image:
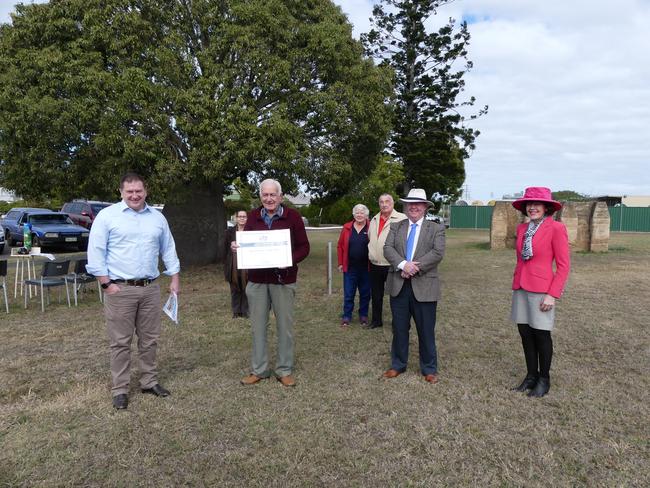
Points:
414	247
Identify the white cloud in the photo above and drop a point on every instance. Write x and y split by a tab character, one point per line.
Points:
568	89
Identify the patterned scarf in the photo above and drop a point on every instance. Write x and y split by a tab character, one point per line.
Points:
527	251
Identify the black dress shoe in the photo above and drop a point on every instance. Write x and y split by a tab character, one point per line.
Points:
529	382
121	401
157	390
375	326
541	388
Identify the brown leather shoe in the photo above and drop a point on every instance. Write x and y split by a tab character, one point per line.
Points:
391	373
287	380
431	378
251	379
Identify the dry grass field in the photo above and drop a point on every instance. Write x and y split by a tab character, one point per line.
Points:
342	425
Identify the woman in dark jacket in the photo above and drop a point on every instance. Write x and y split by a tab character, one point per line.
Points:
352	251
236	277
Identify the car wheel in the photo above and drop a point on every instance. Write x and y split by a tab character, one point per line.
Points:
36	242
9	239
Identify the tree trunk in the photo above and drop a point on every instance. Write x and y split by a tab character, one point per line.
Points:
198	224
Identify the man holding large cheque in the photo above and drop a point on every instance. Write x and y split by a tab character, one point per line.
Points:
272	287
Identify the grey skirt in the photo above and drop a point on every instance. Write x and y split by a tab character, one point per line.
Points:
525	310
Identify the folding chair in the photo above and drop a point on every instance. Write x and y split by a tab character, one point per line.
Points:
53	274
80	277
3	283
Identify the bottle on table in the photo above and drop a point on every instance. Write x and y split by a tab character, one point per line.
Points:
27	236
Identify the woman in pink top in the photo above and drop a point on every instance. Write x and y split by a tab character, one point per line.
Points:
536	285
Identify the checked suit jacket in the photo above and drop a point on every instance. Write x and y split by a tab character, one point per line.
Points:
429	252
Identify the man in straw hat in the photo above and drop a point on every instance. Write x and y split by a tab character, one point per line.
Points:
414	247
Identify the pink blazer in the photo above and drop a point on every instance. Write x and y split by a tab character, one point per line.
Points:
550	243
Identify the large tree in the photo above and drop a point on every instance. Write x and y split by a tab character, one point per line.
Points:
430	133
193	94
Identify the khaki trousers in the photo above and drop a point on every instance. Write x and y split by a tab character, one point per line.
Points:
134	309
262	298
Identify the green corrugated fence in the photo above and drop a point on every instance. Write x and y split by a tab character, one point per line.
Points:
629	219
470	217
622	219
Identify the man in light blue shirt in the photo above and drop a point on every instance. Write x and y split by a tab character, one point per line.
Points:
125	242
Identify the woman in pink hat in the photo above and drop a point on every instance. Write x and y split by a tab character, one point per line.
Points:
536	286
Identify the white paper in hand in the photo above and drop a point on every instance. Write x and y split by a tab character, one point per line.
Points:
171	307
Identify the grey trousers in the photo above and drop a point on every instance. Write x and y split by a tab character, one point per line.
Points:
134	310
262	298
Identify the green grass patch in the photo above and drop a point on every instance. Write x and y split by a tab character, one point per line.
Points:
342	425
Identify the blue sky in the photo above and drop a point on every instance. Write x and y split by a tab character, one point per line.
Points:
568	87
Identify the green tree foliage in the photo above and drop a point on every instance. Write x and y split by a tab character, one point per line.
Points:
340	211
386	177
430	133
570	196
186	92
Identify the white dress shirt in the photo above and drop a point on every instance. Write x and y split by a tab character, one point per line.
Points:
415	241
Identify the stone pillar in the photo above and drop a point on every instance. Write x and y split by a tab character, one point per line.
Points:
599	224
569	217
503	226
583	231
591	225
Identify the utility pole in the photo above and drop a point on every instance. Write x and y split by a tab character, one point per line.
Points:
466	194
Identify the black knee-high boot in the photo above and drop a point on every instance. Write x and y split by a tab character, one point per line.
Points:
544	346
530	353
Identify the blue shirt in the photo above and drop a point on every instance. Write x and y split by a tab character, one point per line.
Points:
268	219
125	244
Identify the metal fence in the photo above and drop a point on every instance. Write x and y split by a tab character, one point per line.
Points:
629	219
622	219
470	217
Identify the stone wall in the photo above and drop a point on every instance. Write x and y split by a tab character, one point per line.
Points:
587	225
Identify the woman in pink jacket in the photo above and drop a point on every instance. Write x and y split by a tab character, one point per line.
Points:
536	286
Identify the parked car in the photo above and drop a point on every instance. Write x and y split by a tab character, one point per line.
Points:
2	240
83	212
437	219
12	226
48	228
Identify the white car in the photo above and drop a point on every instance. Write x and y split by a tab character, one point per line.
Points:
437	219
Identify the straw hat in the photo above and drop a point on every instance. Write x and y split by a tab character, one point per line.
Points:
416	195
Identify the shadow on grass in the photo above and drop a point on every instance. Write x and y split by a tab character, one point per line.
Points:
618	249
481	246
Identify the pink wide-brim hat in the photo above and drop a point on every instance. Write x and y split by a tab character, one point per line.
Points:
536	194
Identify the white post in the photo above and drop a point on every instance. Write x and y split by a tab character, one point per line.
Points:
329	267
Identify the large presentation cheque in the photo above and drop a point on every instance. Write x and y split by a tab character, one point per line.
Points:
264	249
